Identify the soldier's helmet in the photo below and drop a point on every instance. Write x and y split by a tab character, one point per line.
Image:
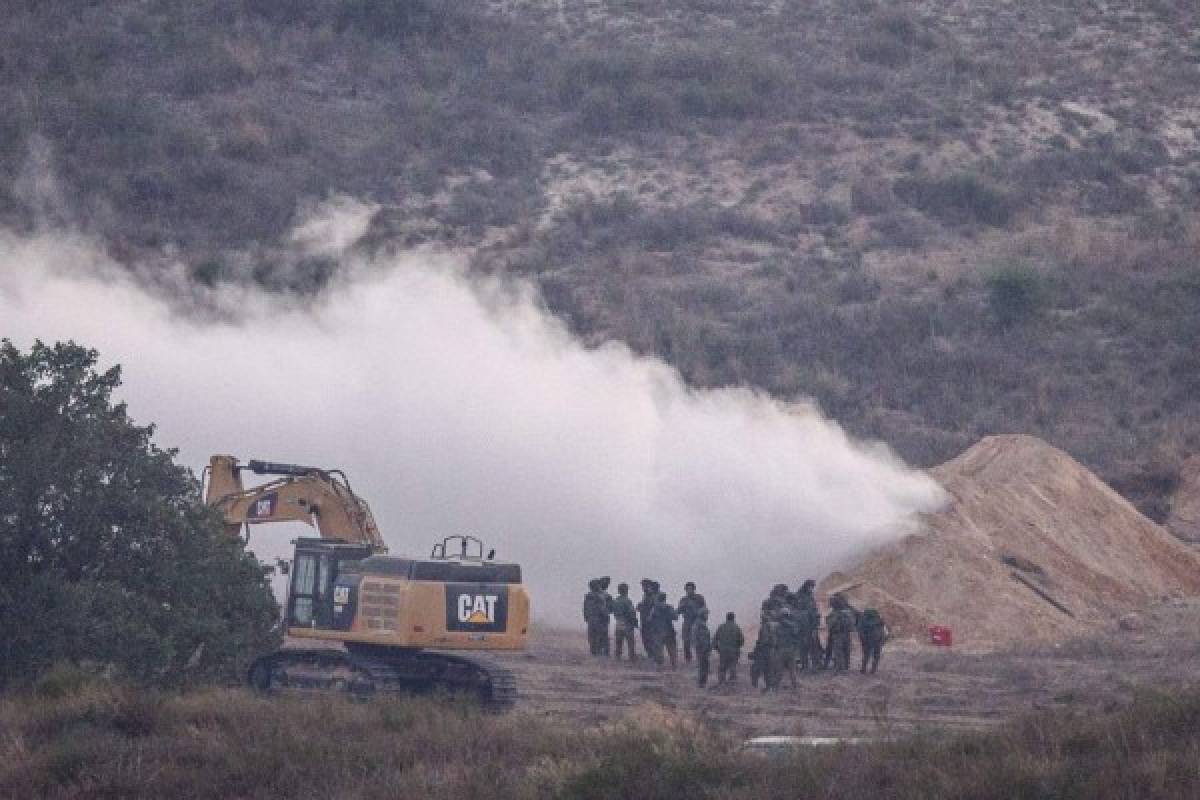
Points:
808	585
622	588
779	589
729	616
593	584
689	585
605	581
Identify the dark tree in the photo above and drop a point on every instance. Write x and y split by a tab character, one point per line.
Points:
107	554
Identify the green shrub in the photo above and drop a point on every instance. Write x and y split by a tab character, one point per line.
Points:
62	680
1016	293
958	199
110	556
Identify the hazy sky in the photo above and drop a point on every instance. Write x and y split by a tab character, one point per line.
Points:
458	406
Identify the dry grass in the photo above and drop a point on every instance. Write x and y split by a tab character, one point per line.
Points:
93	739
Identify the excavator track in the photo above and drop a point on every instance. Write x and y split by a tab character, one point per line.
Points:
365	670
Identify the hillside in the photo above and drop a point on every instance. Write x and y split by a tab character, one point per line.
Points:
1032	547
942	219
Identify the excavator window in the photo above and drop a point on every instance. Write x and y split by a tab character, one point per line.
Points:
304	575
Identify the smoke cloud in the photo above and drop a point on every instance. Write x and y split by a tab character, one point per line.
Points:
461	406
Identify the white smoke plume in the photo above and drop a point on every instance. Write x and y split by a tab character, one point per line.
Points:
457	406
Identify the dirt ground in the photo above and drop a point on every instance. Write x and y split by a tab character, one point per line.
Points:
918	687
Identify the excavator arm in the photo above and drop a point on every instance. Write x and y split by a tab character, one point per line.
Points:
318	497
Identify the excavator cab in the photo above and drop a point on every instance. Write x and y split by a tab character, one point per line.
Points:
314	573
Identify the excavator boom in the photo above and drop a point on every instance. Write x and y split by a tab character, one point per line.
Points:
318	497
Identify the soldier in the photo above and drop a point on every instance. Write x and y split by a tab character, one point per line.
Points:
702	638
662	619
760	652
596	618
768	637
605	582
786	644
729	642
626	622
872	633
689	610
809	651
838	602
840	622
644	607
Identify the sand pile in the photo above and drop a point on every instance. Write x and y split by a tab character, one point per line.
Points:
1184	520
1031	546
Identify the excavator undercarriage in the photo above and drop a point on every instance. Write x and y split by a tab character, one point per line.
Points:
365	670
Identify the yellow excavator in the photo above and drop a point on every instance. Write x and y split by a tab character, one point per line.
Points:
395	616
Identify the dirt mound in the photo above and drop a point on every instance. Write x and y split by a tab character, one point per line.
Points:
1184	520
1031	546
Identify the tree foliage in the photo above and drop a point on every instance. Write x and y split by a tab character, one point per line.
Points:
107	553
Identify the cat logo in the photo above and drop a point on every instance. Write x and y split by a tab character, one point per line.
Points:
478	609
263	507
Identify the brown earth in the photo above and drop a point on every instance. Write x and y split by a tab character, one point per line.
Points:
1184	519
1032	546
918	686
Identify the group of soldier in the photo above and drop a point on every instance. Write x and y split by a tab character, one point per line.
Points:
655	619
789	638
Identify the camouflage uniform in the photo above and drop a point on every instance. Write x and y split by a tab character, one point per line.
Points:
872	633
703	641
596	617
840	622
626	622
608	607
758	661
786	643
662	620
808	622
689	610
813	655
649	596
729	642
768	637
760	653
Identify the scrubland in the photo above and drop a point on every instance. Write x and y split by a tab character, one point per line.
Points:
939	219
74	737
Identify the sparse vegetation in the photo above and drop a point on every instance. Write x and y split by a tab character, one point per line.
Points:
756	192
99	739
